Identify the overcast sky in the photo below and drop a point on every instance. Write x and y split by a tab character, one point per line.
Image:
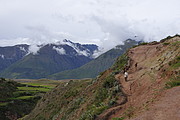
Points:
104	22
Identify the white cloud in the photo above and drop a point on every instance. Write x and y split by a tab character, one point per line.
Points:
60	51
34	49
104	22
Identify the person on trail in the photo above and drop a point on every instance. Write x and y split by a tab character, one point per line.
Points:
135	66
125	76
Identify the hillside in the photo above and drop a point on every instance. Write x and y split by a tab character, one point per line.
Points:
151	92
49	59
94	67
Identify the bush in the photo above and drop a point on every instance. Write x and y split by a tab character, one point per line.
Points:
100	95
112	102
120	64
109	82
121	118
144	43
163	40
70	93
166	43
171	84
175	63
175	81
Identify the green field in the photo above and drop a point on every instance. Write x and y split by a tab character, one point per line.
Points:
19	97
40	89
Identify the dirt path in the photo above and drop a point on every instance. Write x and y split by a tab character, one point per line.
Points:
166	107
146	97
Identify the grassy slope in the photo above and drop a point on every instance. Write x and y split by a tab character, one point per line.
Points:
42	65
81	99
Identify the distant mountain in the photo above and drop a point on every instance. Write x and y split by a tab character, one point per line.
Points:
94	67
49	59
11	54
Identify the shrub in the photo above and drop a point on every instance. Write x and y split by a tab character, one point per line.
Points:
163	40
175	63
166	43
112	102
174	83
121	118
109	82
70	93
100	95
120	63
144	43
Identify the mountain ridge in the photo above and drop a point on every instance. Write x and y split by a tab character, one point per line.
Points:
48	59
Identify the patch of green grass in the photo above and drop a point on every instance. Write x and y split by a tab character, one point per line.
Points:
50	86
121	118
174	81
177	43
100	95
175	63
23	97
3	104
34	89
93	112
144	43
70	93
168	37
120	63
166	43
24	93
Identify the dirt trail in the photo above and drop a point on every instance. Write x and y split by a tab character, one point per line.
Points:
146	97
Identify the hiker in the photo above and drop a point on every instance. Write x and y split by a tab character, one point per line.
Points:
125	76
135	66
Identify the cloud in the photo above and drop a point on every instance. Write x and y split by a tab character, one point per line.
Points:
60	51
34	49
106	23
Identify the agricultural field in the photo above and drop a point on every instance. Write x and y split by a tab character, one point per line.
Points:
19	97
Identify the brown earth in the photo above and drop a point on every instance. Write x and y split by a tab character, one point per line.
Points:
147	97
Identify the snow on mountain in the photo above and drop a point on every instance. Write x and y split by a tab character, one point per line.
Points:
73	52
79	49
2	56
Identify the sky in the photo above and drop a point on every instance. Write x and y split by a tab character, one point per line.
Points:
104	22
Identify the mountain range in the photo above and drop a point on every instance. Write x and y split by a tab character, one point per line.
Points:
61	60
20	62
94	67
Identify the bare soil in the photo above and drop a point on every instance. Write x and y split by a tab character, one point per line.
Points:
147	97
